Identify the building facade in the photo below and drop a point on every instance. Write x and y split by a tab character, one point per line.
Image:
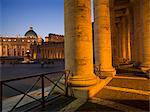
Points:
52	48
18	46
32	47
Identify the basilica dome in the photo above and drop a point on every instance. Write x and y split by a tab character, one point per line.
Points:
30	32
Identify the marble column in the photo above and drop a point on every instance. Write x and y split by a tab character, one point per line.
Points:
78	43
146	35
102	37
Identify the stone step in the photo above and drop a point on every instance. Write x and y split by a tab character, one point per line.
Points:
130	82
128	98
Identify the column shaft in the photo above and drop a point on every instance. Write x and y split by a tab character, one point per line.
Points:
102	37
78	42
124	35
146	34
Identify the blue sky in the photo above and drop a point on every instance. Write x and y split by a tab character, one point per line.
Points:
0	16
46	16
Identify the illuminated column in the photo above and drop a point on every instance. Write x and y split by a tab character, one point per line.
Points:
124	37
12	50
51	54
102	39
128	41
117	44
133	37
114	34
57	55
138	28
1	50
16	50
119	31
78	42
6	49
54	53
146	35
62	54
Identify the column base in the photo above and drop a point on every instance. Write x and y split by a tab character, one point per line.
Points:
85	92
77	81
144	68
108	72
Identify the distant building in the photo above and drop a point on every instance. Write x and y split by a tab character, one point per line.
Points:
52	48
18	46
54	38
32	47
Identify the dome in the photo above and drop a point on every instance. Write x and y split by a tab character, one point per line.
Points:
30	32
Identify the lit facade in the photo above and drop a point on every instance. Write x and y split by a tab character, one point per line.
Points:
18	46
52	48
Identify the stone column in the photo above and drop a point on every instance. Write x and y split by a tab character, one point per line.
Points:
102	39
57	54
51	54
132	39
128	41
113	34
119	31
124	37
6	49
117	44
60	54
78	43
146	35
138	30
1	49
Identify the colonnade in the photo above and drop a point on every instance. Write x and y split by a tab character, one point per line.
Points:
48	53
12	50
78	39
141	52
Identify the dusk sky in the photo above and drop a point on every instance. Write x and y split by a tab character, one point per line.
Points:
46	16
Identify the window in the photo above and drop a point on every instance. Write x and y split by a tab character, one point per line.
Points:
9	40
15	40
22	40
4	40
18	53
28	41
